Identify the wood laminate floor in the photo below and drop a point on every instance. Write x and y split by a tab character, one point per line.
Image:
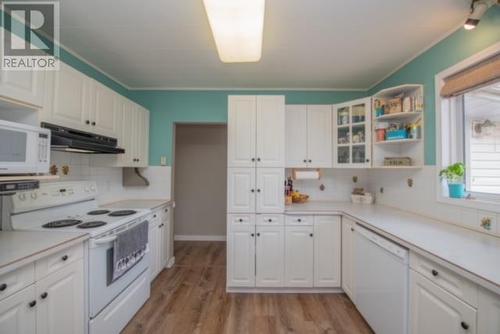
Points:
191	298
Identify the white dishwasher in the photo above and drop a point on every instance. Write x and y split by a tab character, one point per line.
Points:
381	274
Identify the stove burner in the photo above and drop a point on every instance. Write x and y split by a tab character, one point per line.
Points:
92	224
62	223
97	212
120	213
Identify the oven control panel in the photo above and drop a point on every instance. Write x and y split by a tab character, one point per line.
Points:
54	194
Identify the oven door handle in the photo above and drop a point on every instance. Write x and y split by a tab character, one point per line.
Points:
104	240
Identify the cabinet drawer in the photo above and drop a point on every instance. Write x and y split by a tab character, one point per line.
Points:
240	220
16	280
57	261
299	220
270	220
445	278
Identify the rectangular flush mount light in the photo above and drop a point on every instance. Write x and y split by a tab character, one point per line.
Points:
237	26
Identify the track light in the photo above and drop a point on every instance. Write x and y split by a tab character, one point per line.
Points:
477	9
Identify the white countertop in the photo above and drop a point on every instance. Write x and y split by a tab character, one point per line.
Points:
474	255
138	204
18	248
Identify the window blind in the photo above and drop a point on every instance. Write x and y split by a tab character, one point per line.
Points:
481	74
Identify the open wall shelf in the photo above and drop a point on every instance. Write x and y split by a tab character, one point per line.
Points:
407	111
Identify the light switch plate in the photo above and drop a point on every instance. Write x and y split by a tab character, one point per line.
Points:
163	160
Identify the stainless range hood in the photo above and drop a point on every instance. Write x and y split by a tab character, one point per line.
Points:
76	141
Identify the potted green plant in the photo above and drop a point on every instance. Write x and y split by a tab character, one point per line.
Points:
454	176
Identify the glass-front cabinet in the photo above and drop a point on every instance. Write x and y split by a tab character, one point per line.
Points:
352	134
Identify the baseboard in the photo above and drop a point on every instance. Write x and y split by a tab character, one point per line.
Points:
283	290
200	238
171	262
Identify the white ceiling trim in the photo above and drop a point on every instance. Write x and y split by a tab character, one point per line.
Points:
251	89
435	42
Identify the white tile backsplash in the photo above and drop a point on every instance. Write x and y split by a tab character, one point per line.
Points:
109	179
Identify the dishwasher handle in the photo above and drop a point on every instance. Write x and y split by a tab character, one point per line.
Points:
384	243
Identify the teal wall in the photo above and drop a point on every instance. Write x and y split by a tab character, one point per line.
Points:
453	49
169	107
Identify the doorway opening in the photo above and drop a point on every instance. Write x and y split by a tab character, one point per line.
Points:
200	177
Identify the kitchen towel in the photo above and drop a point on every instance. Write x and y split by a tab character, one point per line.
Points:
129	248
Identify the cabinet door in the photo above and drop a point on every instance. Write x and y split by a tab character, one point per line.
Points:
327	248
270	190
488	314
296	136
60	308
23	86
241	190
299	255
17	316
128	133
348	257
144	156
164	244
270	131
270	256
241	131
70	99
103	113
319	136
160	240
241	256
435	311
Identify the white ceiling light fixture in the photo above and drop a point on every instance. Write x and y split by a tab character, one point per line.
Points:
237	27
477	10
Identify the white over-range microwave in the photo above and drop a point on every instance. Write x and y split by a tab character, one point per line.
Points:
24	149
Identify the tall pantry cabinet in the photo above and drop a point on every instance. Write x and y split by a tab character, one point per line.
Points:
255	196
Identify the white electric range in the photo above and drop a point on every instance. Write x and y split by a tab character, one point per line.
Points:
72	206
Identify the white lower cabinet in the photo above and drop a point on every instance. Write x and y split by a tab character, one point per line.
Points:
435	311
60	301
488	314
52	304
159	240
18	314
270	254
348	257
241	255
327	249
299	256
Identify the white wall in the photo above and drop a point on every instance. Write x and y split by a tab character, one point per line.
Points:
338	184
109	179
422	199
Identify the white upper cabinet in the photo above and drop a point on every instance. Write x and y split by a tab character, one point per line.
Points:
352	134
308	136
296	136
270	256
256	131
241	131
299	256
348	257
319	136
270	190
67	99
103	111
241	190
25	87
435	311
270	131
327	249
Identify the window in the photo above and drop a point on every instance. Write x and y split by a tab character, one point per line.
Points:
481	133
468	127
